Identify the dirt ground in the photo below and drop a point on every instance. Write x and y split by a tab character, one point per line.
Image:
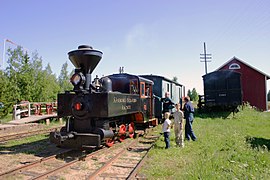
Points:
18	155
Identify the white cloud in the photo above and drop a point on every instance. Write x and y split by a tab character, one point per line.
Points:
141	36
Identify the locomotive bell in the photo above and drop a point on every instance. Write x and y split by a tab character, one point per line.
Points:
85	58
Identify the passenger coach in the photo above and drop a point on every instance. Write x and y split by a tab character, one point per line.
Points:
162	85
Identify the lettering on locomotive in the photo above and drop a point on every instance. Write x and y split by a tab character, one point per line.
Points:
124	100
126	107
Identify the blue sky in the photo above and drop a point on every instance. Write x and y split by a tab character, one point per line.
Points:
146	37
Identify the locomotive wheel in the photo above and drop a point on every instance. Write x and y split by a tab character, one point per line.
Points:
110	142
122	129
131	131
122	138
122	132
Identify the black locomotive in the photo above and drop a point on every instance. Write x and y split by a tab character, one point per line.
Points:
222	91
103	110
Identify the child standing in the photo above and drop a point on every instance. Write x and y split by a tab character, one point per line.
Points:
166	129
178	126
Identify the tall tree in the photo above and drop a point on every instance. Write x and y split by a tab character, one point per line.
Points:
36	64
174	79
48	69
50	85
195	96
14	70
64	79
27	79
4	87
189	93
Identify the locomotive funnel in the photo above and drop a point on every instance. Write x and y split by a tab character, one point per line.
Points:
85	58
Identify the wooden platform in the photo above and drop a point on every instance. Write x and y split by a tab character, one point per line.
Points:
31	119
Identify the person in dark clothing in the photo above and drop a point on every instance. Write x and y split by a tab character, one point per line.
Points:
188	115
168	105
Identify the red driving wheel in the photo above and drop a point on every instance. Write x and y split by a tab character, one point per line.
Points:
131	131
122	132
110	142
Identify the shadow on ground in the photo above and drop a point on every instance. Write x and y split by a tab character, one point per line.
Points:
257	143
214	114
41	148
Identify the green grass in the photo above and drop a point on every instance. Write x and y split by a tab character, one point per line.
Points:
227	148
28	145
6	119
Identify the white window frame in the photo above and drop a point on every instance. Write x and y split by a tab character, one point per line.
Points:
234	66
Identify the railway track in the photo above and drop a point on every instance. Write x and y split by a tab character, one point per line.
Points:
125	163
26	134
120	161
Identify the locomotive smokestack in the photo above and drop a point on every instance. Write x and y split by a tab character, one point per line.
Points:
86	59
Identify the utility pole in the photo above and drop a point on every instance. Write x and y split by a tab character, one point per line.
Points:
206	57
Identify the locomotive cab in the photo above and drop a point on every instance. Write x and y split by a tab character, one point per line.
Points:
138	87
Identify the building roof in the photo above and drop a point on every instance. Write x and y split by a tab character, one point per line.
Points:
235	58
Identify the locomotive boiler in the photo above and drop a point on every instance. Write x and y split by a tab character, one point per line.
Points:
102	110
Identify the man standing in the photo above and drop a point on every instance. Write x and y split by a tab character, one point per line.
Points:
178	126
188	115
168	105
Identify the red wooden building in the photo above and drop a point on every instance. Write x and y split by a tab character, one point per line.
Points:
254	82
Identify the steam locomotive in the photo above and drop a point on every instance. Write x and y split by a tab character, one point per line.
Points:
104	110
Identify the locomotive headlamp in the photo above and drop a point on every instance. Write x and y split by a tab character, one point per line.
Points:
78	106
77	79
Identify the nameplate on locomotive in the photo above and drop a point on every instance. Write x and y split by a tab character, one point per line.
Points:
124	100
120	104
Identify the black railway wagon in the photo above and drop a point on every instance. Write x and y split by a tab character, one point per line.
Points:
222	89
162	85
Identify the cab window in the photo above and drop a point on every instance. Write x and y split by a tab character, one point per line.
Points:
133	87
142	93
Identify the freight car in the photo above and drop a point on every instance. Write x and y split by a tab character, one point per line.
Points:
222	91
103	110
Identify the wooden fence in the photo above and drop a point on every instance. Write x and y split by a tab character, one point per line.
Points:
27	109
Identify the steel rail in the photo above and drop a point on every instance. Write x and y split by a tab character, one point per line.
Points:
107	164
46	174
46	159
133	173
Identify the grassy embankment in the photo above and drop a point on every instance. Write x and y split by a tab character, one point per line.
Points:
227	148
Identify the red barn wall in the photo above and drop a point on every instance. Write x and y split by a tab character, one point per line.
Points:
253	84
